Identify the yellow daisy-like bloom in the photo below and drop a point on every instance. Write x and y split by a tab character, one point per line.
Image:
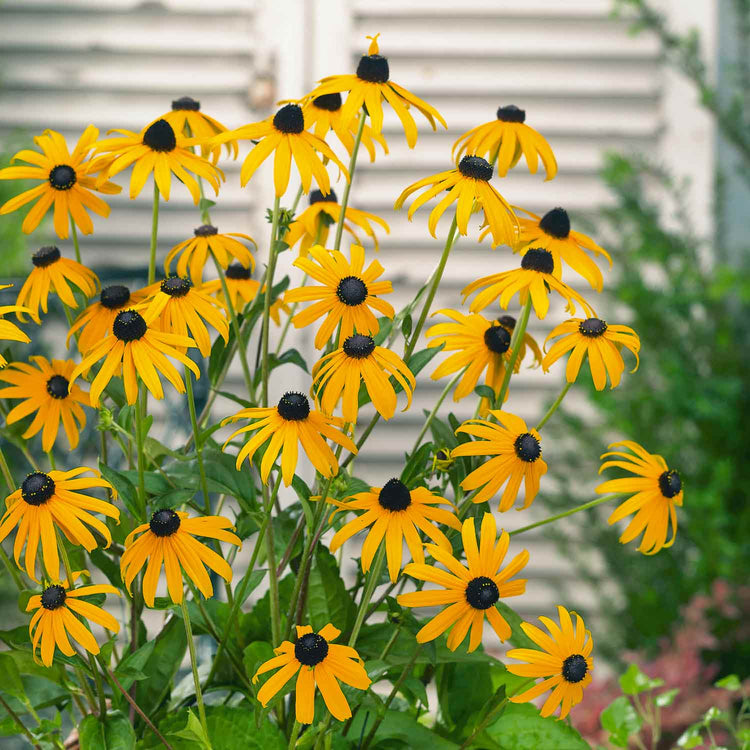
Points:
657	488
517	452
313	223
161	150
55	617
283	427
169	542
285	136
479	344
53	273
534	278
177	307
46	389
597	340
320	664
138	346
358	361
45	501
564	658
369	87
346	295
10	331
396	515
508	138
468	186
470	590
67	183
508	322
195	251
96	321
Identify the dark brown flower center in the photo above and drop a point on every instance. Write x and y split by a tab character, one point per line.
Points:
310	649
359	346
160	137
237	272
294	407
57	387
62	177
53	597
556	223
205	230
129	325
592	327
176	286
186	103
511	113
114	297
574	668
289	119
352	291
37	488
164	522
475	167
670	483
497	339
394	496
45	256
482	592
539	260
328	102
507	321
373	68
317	197
527	447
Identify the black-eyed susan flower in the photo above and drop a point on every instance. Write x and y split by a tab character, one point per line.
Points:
338	375
657	488
194	252
10	331
395	515
283	427
45	388
96	321
347	294
285	136
177	307
60	612
67	183
369	87
138	346
564	658
317	663
48	500
600	342
505	140
158	149
168	541
53	273
311	226
508	322
468	186
517	457
471	591
534	278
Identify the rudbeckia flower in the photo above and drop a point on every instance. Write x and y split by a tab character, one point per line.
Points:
470	590
158	149
468	186
46	389
479	344
285	136
506	139
317	663
10	331
564	658
53	273
168	541
45	501
311	226
55	618
138	346
657	488
395	515
517	458
195	251
346	295
67	183
508	322
358	361
369	87
534	278
177	307
283	427
242	290
597	340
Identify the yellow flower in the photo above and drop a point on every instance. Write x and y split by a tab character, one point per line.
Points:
508	322
369	87
67	183
283	427
358	361
597	340
470	590
517	458
46	389
564	658
657	488
10	331
346	295
169	542
508	138
468	186
396	515
242	290
45	501
317	663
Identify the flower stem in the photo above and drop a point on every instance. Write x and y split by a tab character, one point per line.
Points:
99	687
515	348
363	437
21	726
554	406
348	186
295	733
140	417
194	665
565	514
436	408
74	235
66	561
273	581
51	459
154	233
373	576
197	440
6	472
11	569
267	302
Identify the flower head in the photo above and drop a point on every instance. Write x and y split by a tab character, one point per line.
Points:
10	331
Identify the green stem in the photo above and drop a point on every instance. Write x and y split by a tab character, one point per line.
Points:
140	416
51	459
194	665
197	440
348	186
14	574
370	427
515	343
373	576
273	581
436	408
74	235
22	727
267	302
99	687
6	472
154	233
554	406
565	514
66	561
295	733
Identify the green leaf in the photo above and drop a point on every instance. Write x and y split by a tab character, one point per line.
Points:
193	732
521	727
114	733
327	597
234	397
11	678
419	360
406	326
205	204
385	326
691	737
621	720
254	655
126	490
463	692
131	667
174	498
634	681
666	698
484	391
518	638
730	682
403	727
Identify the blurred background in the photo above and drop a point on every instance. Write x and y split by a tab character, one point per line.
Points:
646	104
